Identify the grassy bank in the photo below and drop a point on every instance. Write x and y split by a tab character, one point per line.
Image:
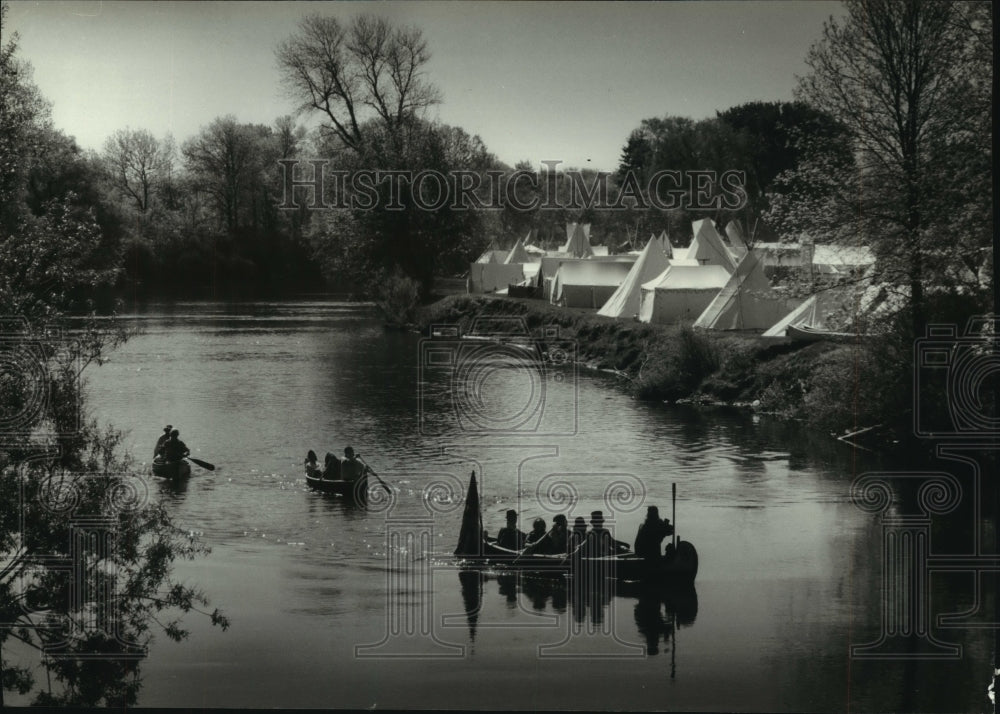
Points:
826	385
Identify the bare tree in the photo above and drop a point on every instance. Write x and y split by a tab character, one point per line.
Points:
347	73
137	163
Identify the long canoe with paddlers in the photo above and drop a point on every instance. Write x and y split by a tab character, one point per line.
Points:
678	564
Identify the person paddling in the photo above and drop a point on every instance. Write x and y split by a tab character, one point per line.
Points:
174	449
350	468
162	440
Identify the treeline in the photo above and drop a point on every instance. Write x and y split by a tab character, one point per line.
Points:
870	153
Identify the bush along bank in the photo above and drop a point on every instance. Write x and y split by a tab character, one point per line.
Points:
840	388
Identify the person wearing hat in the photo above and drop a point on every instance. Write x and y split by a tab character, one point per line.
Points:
162	440
579	533
651	533
509	536
599	542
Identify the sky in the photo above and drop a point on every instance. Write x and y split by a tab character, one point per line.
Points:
536	81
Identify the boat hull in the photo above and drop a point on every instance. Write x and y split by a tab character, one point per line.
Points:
355	490
678	565
173	470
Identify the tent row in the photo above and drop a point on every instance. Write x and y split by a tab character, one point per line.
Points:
712	284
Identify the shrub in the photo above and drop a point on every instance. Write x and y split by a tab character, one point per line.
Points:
397	296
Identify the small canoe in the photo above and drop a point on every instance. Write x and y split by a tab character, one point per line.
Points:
807	333
174	470
356	490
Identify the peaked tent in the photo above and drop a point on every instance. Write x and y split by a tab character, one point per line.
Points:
707	247
577	241
814	312
668	249
587	283
681	292
747	301
738	246
517	254
625	300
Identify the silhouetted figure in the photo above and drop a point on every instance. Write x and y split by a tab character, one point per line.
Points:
538	531
651	533
311	464
350	468
554	542
162	440
509	536
174	449
331	467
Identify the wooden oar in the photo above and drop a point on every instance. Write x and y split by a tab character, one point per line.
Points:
387	489
673	515
203	464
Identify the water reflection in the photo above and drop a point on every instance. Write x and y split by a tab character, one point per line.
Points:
660	609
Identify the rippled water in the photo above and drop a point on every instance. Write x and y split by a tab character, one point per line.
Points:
790	569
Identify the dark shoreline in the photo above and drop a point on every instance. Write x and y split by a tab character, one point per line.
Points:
680	365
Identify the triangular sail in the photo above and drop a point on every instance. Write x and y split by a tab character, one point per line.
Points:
470	537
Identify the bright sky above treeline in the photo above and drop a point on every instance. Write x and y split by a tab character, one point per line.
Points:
537	81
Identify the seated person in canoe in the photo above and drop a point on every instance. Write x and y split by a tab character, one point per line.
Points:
351	469
509	536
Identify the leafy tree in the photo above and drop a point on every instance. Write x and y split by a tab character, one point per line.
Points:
907	80
90	612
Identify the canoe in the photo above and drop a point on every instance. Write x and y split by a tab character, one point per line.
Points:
357	490
171	469
806	333
677	565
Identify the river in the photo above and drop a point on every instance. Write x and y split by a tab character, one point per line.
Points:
324	614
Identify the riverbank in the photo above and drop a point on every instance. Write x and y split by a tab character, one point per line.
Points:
818	383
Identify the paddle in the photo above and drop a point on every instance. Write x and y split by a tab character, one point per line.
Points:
673	515
204	464
387	489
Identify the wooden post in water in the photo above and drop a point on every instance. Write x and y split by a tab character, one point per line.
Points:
673	515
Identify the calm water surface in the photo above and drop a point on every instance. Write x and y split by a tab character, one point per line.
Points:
790	568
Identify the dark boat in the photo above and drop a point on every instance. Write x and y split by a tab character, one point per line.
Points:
679	563
174	470
357	490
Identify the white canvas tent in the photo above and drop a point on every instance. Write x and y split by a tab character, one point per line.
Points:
587	283
625	300
517	254
550	265
490	277
668	249
738	246
681	292
707	246
814	312
577	241
747	301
